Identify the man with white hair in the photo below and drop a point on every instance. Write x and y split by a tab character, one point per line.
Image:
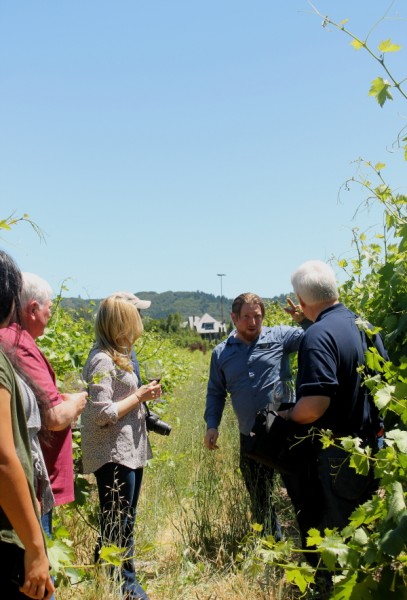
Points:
62	409
328	397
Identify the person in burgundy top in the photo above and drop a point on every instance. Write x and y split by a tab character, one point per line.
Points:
62	409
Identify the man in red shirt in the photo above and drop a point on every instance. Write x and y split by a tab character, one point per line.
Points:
61	409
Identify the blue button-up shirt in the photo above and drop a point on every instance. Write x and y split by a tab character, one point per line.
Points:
250	373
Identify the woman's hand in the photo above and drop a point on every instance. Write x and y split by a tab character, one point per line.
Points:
37	580
151	391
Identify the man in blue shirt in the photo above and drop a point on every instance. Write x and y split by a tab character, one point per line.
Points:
253	366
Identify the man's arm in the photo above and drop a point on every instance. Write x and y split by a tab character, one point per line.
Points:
61	409
307	410
215	403
61	415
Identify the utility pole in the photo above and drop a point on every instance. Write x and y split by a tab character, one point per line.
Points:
221	275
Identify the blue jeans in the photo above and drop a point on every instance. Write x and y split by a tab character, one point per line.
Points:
46	522
119	490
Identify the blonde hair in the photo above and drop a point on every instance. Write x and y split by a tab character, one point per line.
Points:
117	326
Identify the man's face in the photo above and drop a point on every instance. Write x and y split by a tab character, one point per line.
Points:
40	315
248	324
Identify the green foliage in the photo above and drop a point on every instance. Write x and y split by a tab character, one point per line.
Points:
186	304
67	340
380	89
10	221
376	287
368	557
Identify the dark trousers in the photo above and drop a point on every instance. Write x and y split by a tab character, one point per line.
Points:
119	490
342	488
11	571
325	490
258	479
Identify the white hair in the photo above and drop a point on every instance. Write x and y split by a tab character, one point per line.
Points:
34	288
315	282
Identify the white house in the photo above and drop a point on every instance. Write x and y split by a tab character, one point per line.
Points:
206	326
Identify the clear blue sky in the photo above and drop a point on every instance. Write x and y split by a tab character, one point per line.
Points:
159	143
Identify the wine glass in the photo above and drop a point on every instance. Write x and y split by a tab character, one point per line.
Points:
154	371
73	383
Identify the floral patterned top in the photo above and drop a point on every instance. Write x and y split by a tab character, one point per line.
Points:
105	437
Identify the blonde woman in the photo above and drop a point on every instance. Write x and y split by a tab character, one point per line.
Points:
115	445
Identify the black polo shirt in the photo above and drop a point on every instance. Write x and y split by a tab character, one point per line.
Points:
329	355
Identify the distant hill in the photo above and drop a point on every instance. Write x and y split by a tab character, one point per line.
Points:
162	304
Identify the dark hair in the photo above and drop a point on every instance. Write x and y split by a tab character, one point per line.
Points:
10	287
247	298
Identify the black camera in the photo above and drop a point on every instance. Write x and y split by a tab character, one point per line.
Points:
154	423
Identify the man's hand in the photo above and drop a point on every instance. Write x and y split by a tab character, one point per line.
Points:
295	311
62	415
211	438
307	410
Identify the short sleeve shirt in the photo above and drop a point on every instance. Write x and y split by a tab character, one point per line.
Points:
58	451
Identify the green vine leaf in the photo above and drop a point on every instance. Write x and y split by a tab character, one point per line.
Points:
302	576
112	554
397	505
383	396
314	537
357	44
394	541
399	438
360	463
380	89
388	46
379	166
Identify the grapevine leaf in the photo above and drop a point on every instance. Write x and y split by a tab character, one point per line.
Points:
383	396
314	537
397	505
394	541
111	554
388	46
399	438
360	462
59	554
334	549
360	538
380	89
357	44
400	390
4	225
343	589
302	576
379	166
373	360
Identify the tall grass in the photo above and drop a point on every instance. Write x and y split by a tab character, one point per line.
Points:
193	532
